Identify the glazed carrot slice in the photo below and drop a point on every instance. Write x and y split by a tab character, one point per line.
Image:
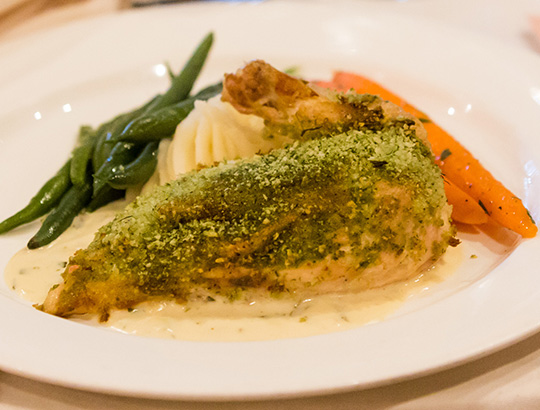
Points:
465	209
457	164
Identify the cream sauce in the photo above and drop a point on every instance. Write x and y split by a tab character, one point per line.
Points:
31	273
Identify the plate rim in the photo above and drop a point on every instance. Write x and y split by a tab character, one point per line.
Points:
45	322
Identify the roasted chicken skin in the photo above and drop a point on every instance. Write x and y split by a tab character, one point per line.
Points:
293	108
356	202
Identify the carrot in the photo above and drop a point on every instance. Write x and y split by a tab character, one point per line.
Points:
464	172
465	209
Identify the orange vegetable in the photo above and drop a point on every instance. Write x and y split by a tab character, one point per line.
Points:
461	169
465	209
466	172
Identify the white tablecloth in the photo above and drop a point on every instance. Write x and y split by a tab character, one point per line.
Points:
509	378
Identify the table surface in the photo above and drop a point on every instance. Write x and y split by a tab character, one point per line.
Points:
507	378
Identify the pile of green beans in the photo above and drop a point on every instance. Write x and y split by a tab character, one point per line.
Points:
119	154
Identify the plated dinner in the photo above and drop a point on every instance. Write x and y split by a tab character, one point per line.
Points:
315	203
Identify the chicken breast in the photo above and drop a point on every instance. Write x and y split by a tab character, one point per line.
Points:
356	202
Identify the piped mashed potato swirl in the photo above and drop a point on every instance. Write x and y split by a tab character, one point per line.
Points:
214	131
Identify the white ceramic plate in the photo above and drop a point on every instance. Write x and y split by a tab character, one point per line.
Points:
485	94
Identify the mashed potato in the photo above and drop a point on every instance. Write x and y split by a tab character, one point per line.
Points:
213	132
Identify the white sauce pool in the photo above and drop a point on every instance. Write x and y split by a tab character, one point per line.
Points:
31	273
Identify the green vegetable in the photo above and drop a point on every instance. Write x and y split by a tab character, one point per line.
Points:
157	125
162	123
122	153
209	92
62	216
182	84
105	196
81	156
138	171
46	198
170	72
107	134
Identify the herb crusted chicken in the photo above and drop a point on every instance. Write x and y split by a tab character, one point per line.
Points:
355	202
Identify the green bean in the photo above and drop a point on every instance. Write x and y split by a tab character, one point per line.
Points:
157	125
104	132
105	195
85	132
162	123
61	217
170	72
98	156
106	135
122	153
46	198
182	84
209	92
81	155
138	171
